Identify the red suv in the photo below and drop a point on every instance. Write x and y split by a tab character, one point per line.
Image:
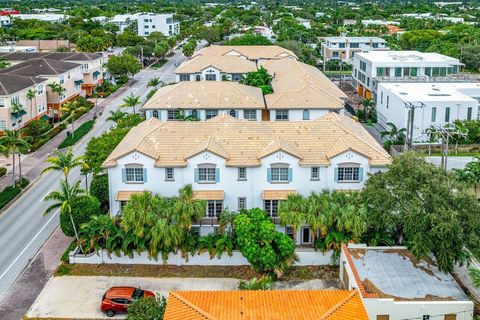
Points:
117	299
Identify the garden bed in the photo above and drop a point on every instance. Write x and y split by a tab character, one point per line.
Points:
9	193
166	271
78	134
159	64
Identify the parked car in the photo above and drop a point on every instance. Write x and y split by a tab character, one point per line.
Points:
117	299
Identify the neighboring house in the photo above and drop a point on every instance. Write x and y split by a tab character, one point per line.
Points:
154	22
16	110
371	68
46	45
371	22
235	164
304	22
91	63
264	31
257	54
265	304
300	92
205	100
344	48
436	104
47	17
349	22
211	68
395	286
69	75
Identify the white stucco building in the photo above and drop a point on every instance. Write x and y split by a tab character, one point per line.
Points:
394	286
154	22
235	164
344	48
371	68
436	104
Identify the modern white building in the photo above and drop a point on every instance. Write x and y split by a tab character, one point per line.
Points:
435	104
123	21
153	22
344	48
395	286
371	68
235	164
370	22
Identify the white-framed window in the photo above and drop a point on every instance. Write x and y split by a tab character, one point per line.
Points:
281	115
434	114
184	77
172	114
214	208
242	203
2	102
3	124
469	113
210	114
40	89
348	173
242	173
194	114
85	67
62	79
14	100
315	173
134	174
279	173
271	207
211	77
206	173
250	115
169	174
447	114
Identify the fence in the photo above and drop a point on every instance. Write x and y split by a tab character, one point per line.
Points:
307	257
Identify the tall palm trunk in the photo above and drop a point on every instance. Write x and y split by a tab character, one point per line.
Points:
13	172
20	166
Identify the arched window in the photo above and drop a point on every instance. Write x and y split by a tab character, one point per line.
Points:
155	114
233	113
306	114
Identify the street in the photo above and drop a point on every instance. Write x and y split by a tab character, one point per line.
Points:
23	228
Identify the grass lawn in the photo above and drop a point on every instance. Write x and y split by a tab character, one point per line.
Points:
166	271
78	134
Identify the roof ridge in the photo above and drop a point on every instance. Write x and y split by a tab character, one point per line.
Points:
241	87
337	306
45	60
192	306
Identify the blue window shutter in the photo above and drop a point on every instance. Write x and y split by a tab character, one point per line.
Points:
335	175
360	174
124	175
269	175
196	175
217	175
236	114
144	175
289	174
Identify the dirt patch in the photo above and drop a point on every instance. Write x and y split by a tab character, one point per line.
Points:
358	254
167	271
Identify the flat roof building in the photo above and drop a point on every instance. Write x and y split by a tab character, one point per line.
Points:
344	48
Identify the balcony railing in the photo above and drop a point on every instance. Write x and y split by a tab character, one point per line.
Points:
449	78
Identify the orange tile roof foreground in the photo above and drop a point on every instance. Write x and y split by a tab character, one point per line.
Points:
262	305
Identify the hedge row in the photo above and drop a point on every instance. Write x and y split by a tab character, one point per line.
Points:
77	135
11	192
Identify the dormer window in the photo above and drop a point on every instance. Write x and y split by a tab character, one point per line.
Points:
134	173
279	173
207	173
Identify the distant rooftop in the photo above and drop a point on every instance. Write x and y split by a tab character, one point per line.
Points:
354	39
407	56
393	272
429	91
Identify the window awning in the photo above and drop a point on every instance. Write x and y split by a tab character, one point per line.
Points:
45	117
96	73
208	195
19	113
77	82
277	194
125	195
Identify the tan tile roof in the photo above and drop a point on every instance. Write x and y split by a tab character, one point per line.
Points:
299	85
250	52
125	195
227	64
263	305
208	194
242	143
277	194
206	95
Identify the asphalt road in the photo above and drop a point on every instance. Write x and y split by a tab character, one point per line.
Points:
23	227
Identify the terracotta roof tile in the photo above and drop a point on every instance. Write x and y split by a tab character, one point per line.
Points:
249	52
227	64
209	194
262	305
277	194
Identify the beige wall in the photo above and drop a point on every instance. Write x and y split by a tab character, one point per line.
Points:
69	84
35	109
93	65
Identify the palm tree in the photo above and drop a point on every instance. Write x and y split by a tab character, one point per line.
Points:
367	104
64	199
131	101
395	136
154	82
12	143
292	212
4	64
31	96
57	89
116	116
73	108
187	209
475	276
64	162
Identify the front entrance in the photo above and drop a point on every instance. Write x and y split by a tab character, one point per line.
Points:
265	115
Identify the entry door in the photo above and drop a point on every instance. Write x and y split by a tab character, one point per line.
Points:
265	115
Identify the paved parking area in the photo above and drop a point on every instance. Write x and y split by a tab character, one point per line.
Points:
80	297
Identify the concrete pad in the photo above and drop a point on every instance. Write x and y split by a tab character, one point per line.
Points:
80	297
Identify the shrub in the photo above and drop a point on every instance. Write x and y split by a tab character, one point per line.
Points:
52	133
148	308
99	148
150	94
38	127
22	182
8	194
263	283
83	209
77	135
3	171
67	251
99	189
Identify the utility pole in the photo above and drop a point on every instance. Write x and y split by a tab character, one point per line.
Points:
410	120
445	133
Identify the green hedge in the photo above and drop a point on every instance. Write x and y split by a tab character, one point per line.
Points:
78	134
3	171
11	192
